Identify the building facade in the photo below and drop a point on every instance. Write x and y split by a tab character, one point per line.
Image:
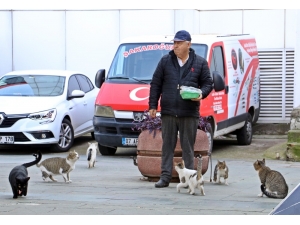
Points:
86	40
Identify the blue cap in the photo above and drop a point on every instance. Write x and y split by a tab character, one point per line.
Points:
182	35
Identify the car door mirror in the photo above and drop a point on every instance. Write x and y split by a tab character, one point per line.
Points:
76	94
99	78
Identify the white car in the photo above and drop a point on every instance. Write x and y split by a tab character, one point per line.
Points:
48	107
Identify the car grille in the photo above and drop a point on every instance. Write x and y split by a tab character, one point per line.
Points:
10	119
129	131
8	122
18	136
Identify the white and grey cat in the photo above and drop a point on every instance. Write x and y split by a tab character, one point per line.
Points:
59	166
273	184
196	180
184	175
91	154
221	171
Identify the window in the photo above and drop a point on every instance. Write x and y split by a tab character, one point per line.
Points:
200	49
32	85
139	60
73	85
217	61
84	84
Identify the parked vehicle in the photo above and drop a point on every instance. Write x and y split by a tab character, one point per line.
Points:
124	92
48	107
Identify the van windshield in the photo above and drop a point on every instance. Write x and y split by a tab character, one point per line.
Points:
138	61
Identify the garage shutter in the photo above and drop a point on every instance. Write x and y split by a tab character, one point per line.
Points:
276	85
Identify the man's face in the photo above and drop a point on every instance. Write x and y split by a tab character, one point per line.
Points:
181	48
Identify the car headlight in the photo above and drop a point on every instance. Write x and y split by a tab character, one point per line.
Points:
104	111
47	116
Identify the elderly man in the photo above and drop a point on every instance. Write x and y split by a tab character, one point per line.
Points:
181	67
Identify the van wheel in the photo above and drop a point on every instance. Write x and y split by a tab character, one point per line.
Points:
66	137
244	134
104	150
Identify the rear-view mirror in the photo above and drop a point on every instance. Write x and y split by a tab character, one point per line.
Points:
99	78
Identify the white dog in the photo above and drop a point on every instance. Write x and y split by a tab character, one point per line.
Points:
91	154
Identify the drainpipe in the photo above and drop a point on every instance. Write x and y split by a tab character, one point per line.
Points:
297	63
293	143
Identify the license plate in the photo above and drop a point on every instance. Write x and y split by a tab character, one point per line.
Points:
129	141
6	139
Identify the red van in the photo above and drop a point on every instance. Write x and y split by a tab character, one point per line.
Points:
233	106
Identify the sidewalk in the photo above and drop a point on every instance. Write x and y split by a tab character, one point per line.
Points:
115	187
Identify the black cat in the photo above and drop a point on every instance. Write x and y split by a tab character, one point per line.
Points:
18	177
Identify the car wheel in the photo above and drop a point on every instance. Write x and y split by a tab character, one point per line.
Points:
66	137
244	134
104	150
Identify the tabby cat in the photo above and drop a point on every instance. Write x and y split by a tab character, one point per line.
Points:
18	177
57	165
184	175
196	180
273	184
221	170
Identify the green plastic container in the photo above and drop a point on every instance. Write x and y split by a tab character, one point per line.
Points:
189	95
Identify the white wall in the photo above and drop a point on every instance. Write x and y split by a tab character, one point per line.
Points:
267	26
5	42
221	22
87	40
272	28
290	28
92	38
38	40
187	20
146	22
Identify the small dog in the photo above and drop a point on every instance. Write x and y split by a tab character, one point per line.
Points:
91	154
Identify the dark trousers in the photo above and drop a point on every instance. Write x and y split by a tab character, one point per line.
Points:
187	127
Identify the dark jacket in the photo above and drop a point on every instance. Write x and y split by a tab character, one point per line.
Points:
166	82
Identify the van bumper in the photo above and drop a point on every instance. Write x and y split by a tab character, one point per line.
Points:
110	131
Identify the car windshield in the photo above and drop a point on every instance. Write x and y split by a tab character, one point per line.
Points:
31	85
138	61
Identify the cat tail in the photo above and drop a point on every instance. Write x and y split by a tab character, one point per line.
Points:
271	194
38	158
199	166
89	155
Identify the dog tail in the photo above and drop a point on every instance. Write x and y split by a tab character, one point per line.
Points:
89	155
38	158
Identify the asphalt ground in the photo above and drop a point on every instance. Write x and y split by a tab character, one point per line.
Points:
116	187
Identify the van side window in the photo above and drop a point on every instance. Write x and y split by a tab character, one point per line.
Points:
217	61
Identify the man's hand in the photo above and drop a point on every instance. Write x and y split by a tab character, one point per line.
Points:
197	99
152	113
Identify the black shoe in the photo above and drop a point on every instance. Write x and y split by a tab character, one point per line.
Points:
161	184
